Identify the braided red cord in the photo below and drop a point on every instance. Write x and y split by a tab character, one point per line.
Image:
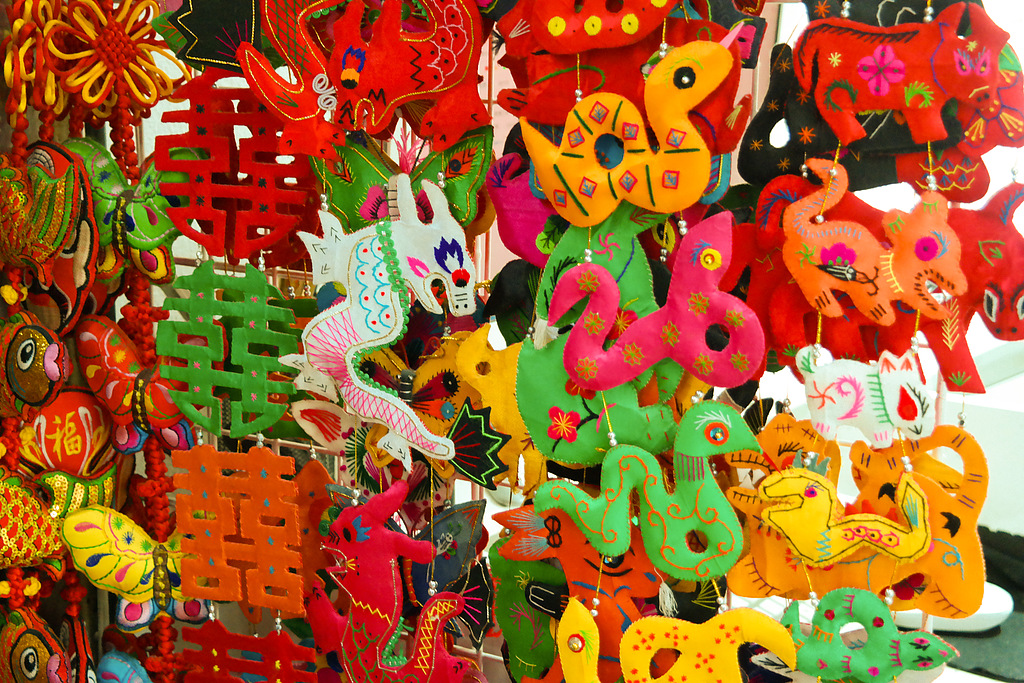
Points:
137	323
14	277
19	141
16	577
122	133
164	664
46	119
73	593
76	120
10	436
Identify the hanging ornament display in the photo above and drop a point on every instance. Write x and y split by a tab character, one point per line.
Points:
267	355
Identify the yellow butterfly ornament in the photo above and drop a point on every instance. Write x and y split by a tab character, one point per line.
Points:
118	556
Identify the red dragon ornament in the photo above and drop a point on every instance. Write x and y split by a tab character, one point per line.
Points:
355	82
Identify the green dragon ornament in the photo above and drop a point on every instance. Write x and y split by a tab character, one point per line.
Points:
696	505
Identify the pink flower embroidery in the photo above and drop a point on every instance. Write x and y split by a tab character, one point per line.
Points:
881	70
838	255
563	424
375	208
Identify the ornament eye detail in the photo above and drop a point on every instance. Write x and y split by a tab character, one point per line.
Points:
926	248
962	60
613	562
711	259
29	662
982	62
1020	307
26	354
716	433
684	78
811	491
991	304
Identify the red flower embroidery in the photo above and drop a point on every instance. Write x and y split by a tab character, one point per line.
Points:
563	424
574	389
623	319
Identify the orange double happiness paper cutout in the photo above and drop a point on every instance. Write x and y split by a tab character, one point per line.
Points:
243	528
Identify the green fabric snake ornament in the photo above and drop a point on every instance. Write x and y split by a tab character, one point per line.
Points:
886	653
696	504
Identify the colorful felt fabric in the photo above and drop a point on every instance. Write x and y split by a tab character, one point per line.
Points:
355	184
237	200
40	208
117	555
585	191
376	264
363	80
30	649
849	68
826	255
62	294
693	302
804	507
205	27
525	628
362	643
138	399
546	82
444	401
870	161
878	12
522	217
75	642
242	529
274	657
886	654
887	154
33	533
617	581
790	323
696	504
491	373
565	28
556	410
132	220
118	667
240	325
73	434
769	566
707	650
880	400
953	574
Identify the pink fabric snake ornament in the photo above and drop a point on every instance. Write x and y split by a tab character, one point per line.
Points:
676	331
